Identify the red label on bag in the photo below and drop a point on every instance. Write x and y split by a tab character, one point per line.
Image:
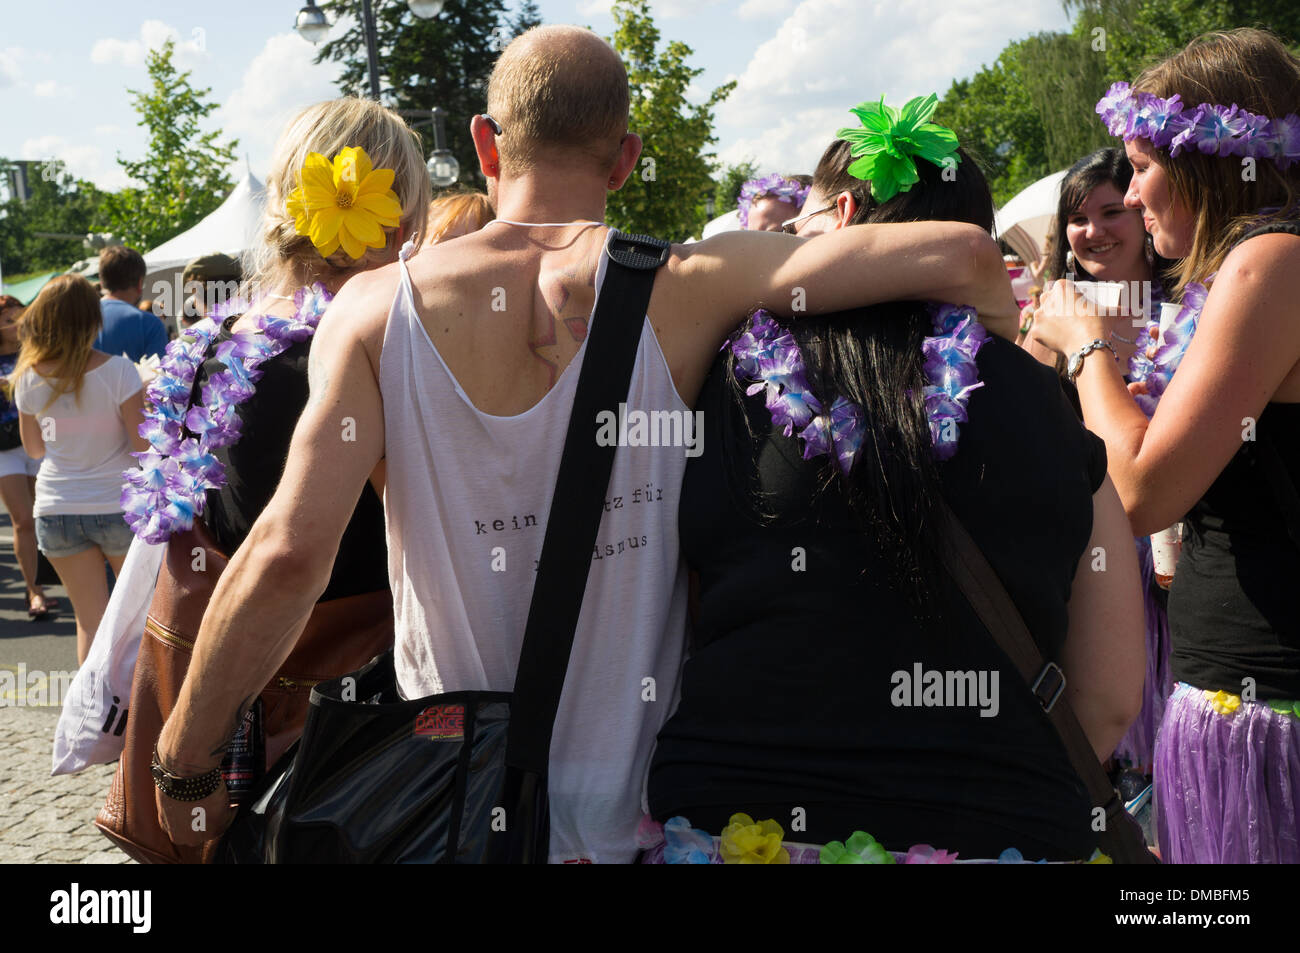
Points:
441	722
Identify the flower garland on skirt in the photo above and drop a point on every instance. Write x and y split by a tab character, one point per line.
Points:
168	490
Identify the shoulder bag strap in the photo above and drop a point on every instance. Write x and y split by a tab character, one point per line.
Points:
993	604
579	499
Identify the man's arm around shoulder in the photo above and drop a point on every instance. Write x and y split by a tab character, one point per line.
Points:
270	588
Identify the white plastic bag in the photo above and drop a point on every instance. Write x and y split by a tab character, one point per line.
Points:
92	725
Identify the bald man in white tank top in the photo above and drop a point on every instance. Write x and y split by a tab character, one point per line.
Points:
457	365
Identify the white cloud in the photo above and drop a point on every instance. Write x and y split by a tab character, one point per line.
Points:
10	74
278	81
762	9
82	161
659	9
50	88
828	55
191	50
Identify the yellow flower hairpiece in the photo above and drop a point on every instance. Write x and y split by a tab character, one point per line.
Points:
344	203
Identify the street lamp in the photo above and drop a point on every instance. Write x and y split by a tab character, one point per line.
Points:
443	168
426	9
311	23
313	27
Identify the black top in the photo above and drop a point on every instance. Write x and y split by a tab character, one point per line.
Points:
1232	614
787	699
256	462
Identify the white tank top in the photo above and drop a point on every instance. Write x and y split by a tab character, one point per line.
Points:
466	505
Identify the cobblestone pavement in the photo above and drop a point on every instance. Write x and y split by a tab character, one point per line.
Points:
43	819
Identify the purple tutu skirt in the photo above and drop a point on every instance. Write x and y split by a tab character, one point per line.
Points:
1137	747
1227	787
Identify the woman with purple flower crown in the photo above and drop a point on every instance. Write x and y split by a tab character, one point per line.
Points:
1213	134
347	186
814	519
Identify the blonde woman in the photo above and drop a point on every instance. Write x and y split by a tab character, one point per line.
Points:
77	409
457	213
347	187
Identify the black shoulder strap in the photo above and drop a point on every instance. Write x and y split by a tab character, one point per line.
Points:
579	498
980	584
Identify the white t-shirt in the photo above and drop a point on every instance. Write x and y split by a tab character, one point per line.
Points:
87	444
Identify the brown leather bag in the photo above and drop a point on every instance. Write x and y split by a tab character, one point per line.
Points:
340	637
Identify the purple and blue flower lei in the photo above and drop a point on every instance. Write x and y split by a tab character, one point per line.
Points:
1154	365
775	185
168	490
1210	128
767	354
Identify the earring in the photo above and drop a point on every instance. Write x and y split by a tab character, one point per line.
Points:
1150	250
1069	262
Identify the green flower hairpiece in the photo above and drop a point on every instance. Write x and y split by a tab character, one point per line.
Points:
888	139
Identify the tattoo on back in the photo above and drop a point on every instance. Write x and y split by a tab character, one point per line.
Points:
544	345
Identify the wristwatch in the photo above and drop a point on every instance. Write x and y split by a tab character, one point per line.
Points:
1075	364
183	789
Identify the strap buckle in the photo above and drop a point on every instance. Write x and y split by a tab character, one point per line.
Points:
1050	681
640	252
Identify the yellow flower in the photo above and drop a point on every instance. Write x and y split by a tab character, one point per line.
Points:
1222	702
745	841
345	203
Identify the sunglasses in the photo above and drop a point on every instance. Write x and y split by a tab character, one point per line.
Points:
788	226
496	126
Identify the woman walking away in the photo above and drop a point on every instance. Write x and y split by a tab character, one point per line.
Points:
17	470
78	409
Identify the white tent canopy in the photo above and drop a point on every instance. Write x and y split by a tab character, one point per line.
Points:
1024	221
229	230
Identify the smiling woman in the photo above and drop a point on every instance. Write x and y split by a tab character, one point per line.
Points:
1213	134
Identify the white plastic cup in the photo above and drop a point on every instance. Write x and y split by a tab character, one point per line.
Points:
1168	312
1166	546
1104	294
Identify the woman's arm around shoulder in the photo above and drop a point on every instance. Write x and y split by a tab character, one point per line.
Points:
1105	649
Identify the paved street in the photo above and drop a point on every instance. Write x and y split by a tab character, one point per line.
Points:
43	819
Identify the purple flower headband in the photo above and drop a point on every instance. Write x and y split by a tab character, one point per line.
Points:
1211	129
775	185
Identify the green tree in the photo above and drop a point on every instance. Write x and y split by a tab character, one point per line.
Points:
183	173
58	204
1031	112
667	194
997	124
444	61
726	196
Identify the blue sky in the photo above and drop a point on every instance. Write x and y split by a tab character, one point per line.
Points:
65	67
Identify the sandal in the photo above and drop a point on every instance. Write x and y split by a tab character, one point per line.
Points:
49	606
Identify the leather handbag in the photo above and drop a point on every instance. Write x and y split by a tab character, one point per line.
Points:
461	777
340	635
1121	837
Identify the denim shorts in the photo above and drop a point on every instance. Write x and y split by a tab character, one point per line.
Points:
71	533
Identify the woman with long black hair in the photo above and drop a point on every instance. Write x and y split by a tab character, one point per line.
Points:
823	606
